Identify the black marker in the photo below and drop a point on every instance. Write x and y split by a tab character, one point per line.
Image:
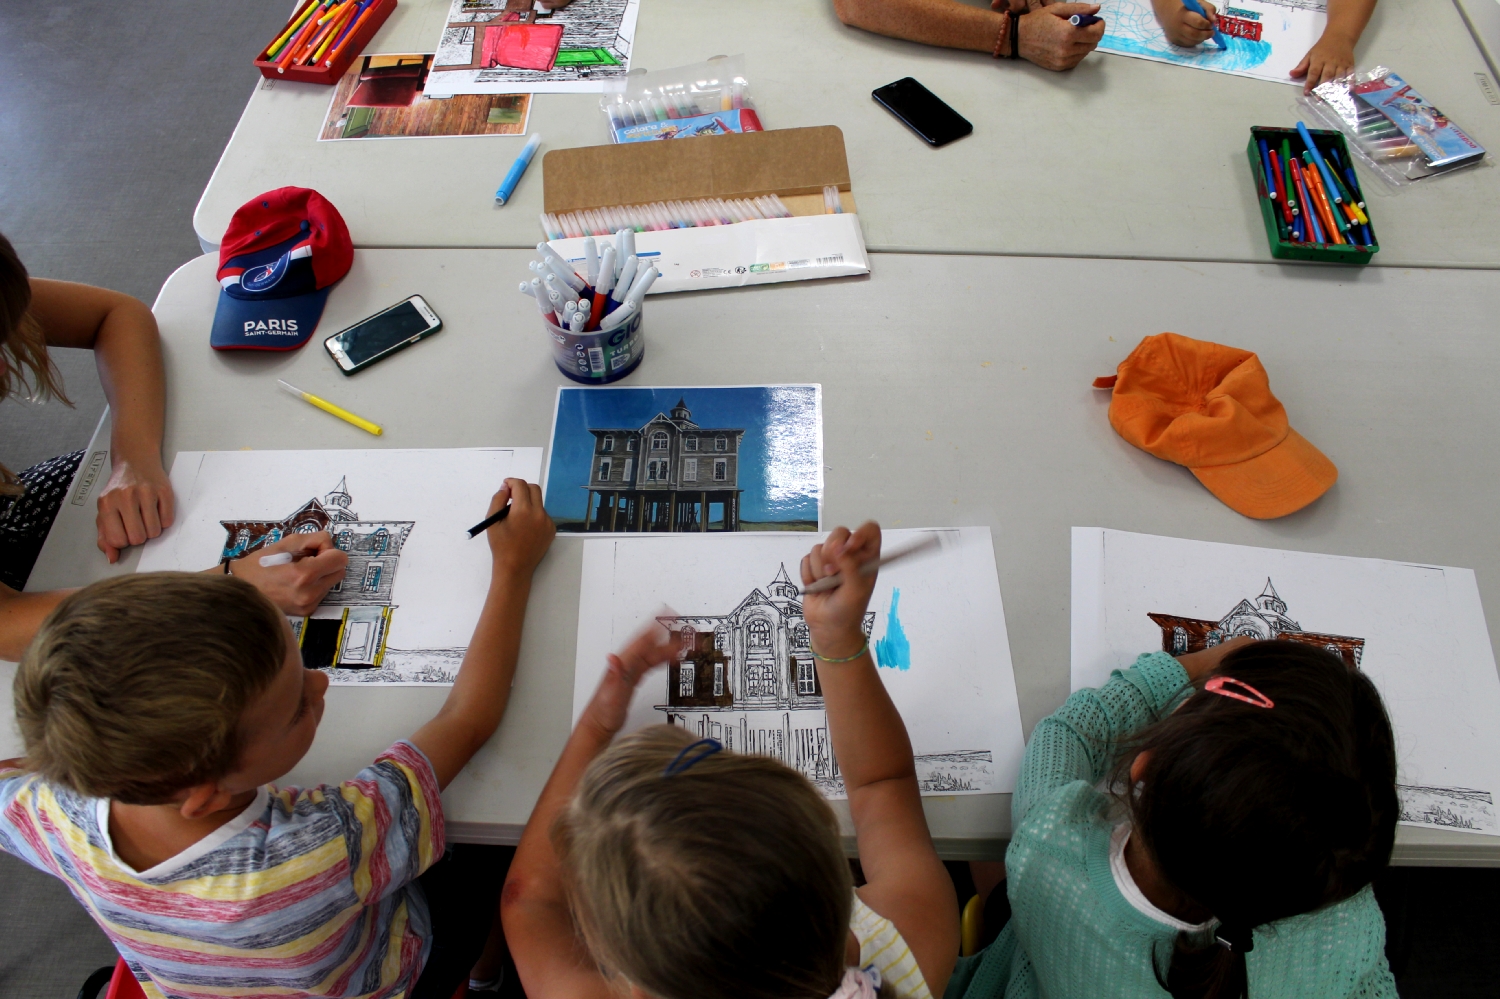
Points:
489	521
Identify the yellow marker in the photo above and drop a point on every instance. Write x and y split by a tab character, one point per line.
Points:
329	407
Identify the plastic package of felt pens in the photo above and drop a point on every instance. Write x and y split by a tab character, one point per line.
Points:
706	98
1393	129
1310	197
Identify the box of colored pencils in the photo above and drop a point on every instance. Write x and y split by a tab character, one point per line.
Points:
1310	198
321	40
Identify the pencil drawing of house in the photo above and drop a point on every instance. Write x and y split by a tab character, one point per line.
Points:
667	475
1265	617
349	629
749	679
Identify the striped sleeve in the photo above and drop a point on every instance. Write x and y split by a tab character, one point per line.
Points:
392	813
19	835
881	945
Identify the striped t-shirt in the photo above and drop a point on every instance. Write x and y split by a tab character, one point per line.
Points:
882	945
304	892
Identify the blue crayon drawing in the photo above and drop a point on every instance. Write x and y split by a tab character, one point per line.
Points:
893	651
1265	38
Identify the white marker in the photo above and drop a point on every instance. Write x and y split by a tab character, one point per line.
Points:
606	270
873	565
560	267
620	316
627	273
591	260
643	282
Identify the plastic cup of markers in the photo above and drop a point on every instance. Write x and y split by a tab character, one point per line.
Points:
600	357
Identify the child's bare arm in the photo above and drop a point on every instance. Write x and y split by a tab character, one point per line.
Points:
549	957
472	711
1332	56
21	614
1182	26
906	882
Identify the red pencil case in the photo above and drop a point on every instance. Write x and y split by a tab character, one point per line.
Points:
369	23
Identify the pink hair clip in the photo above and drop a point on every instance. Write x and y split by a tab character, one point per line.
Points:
1220	685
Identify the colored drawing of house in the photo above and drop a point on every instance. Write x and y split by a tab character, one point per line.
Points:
748	678
1265	617
349	629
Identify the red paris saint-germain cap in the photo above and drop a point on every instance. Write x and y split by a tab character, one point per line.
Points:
281	254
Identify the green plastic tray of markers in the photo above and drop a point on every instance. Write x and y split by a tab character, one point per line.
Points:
1285	249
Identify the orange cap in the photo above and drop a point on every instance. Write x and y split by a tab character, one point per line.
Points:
1210	407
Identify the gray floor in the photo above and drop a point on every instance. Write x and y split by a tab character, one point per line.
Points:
102	157
114	114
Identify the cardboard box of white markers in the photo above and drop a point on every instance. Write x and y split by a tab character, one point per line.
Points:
794	165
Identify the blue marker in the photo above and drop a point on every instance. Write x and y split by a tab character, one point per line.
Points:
1322	165
1084	20
1265	165
1197	8
508	185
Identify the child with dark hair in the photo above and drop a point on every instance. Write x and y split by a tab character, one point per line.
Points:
1235	857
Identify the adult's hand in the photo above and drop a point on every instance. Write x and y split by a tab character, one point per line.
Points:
296	588
135	506
1048	39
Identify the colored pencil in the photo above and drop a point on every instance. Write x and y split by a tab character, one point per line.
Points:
298	19
349	30
345	12
1310	214
289	51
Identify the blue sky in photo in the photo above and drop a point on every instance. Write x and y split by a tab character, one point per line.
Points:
780	454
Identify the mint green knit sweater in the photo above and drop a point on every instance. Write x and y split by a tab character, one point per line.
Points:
1072	934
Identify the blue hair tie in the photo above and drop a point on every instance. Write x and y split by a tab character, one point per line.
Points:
687	757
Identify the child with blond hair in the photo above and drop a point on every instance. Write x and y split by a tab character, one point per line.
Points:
157	711
663	866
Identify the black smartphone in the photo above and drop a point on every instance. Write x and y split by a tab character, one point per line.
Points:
384	333
923	112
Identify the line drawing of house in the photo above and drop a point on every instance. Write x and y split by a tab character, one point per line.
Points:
666	475
348	630
749	679
1265	617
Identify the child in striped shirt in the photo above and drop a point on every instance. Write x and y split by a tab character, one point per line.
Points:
157	709
666	867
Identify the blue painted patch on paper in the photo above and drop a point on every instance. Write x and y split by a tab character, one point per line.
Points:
893	651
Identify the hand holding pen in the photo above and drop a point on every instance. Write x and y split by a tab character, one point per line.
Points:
1188	23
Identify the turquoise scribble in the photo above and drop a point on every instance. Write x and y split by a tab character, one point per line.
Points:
1243	54
893	651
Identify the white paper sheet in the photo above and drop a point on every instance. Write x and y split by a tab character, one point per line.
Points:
956	691
1424	643
413	595
1266	38
587	26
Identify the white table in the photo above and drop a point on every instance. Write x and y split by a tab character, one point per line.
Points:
1390	372
1119	158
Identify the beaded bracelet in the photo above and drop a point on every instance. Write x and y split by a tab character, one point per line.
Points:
848	659
1011	34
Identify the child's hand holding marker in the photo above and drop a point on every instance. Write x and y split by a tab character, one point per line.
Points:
294	573
1187	23
835	617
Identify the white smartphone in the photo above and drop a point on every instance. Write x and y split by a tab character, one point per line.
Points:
381	335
